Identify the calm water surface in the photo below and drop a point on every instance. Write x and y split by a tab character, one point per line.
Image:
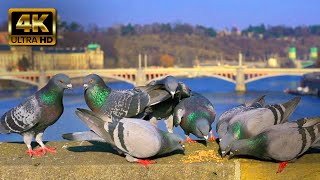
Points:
219	92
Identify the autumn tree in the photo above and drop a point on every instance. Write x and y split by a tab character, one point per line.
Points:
166	60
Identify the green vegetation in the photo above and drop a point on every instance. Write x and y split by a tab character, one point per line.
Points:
186	43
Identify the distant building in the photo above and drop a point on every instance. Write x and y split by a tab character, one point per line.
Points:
49	58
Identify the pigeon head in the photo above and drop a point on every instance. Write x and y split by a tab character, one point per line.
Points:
62	81
234	132
225	144
172	143
239	147
183	90
171	84
93	80
199	123
255	146
202	128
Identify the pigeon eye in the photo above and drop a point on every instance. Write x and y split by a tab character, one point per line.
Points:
179	142
91	81
61	81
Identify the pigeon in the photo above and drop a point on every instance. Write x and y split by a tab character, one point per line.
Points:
32	117
117	104
250	123
284	142
164	109
169	83
195	115
223	121
134	138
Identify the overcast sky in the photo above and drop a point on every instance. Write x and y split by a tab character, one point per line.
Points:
214	13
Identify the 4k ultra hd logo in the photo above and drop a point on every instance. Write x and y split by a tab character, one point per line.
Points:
32	26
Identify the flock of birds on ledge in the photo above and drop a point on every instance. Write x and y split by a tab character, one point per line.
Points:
127	119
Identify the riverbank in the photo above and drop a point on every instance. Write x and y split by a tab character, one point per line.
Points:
83	160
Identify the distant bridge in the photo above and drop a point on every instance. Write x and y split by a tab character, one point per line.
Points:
240	75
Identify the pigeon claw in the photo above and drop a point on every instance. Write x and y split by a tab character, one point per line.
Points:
282	166
212	137
44	150
32	152
189	140
146	162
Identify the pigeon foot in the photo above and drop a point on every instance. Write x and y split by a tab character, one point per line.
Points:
282	166
212	137
32	152
145	162
189	140
44	150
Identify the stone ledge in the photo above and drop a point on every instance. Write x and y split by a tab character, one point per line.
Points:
84	160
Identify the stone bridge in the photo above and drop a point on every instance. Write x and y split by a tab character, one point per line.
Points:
240	75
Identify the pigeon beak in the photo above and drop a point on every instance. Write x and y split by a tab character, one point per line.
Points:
85	86
231	155
69	86
172	93
223	153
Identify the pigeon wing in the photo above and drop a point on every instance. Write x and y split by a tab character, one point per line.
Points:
118	104
21	118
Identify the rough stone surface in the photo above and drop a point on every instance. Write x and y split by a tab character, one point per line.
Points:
85	160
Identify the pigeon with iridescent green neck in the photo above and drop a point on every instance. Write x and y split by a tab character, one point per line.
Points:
224	119
195	115
250	123
116	104
283	142
32	117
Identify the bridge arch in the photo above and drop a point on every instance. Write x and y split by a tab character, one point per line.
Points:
19	80
269	76
188	75
107	76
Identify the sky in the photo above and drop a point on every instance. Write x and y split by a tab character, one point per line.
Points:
219	14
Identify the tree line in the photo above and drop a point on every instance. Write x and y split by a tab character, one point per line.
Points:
277	31
182	44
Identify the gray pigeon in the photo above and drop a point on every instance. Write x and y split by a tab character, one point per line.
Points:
117	104
284	142
164	109
169	83
223	121
251	123
195	115
133	137
32	117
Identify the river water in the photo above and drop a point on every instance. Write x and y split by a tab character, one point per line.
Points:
220	93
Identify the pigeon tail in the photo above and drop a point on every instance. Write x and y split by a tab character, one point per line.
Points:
96	123
82	136
290	106
259	100
309	121
3	130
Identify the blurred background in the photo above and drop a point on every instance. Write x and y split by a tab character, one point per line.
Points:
203	43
